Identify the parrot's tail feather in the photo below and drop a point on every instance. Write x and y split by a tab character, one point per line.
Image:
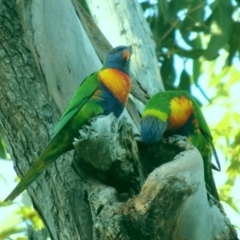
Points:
16	191
211	186
35	170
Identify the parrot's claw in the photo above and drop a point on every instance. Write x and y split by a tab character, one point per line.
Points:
138	137
176	138
180	141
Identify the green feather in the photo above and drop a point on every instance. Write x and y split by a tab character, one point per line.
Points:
84	92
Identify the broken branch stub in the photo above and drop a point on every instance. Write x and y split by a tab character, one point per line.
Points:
107	149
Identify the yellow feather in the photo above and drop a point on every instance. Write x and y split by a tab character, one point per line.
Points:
157	113
181	109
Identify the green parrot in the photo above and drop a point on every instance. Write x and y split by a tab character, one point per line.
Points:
101	93
177	113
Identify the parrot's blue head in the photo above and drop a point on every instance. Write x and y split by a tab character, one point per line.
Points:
119	58
152	129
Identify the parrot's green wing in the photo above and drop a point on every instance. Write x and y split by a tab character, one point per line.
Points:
210	140
203	126
87	89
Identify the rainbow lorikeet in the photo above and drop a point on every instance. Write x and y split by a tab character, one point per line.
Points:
177	113
101	93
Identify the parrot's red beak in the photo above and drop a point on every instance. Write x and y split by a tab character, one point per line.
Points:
126	54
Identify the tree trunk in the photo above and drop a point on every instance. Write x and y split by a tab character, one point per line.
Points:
45	54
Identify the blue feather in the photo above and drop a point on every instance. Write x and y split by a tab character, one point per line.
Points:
109	102
152	129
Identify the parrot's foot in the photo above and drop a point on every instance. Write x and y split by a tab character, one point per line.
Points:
180	141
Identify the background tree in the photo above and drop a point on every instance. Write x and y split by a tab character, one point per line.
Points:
43	56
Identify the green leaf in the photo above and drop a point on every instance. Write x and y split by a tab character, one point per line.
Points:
170	9
6	233
185	81
234	76
234	45
220	28
229	76
193	18
236	140
197	70
145	5
216	79
163	7
168	72
28	213
10	226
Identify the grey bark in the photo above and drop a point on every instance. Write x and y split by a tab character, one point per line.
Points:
38	76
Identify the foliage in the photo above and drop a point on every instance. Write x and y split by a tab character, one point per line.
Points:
227	138
17	221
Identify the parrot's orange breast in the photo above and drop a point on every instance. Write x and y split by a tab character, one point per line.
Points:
117	82
181	109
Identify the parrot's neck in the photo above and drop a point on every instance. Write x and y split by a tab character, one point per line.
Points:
117	82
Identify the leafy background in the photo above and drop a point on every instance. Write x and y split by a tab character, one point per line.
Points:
198	49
